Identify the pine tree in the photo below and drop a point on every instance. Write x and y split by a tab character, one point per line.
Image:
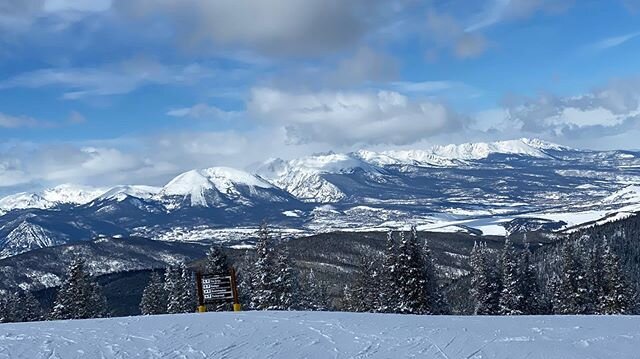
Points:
485	281
10	310
263	296
388	280
31	309
530	288
187	297
511	298
434	300
315	296
173	290
572	292
284	282
364	293
154	297
216	261
410	277
79	297
617	297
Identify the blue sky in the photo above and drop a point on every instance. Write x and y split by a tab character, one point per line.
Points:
112	91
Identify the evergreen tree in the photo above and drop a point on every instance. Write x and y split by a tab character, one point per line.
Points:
79	297
573	291
314	294
410	277
263	296
530	288
347	299
595	277
485	281
173	290
434	300
30	308
10	308
216	261
511	298
617	297
364	293
187	298
388	280
284	282
154	297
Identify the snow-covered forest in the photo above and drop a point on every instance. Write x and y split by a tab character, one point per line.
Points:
588	272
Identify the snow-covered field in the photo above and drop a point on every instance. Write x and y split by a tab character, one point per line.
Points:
325	335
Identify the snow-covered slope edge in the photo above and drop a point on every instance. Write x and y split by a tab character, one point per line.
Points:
326	335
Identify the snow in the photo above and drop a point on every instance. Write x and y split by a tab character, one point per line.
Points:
629	194
120	193
50	197
197	184
325	335
480	150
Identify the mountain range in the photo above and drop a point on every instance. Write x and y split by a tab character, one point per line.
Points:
479	188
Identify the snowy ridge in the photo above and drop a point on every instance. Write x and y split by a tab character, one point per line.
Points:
48	198
629	194
322	335
120	193
480	150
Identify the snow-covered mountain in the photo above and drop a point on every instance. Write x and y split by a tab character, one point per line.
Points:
219	187
51	197
488	188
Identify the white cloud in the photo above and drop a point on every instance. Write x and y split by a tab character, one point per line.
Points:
276	27
112	79
501	10
203	111
77	5
610	110
342	118
8	121
447	33
613	41
364	66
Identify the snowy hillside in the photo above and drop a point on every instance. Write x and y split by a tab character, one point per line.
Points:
325	335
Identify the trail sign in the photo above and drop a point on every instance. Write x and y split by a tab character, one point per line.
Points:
217	288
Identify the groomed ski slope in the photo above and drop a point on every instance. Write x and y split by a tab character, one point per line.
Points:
325	335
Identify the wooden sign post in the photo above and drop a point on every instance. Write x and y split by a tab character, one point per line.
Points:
217	288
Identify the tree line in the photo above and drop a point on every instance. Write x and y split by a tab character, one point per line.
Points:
586	278
582	275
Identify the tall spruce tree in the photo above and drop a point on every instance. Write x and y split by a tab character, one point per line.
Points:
485	281
316	296
511	298
188	299
30	308
10	308
387	302
573	291
154	297
173	289
216	261
531	302
263	296
79	296
364	292
617	298
435	302
410	277
285	288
